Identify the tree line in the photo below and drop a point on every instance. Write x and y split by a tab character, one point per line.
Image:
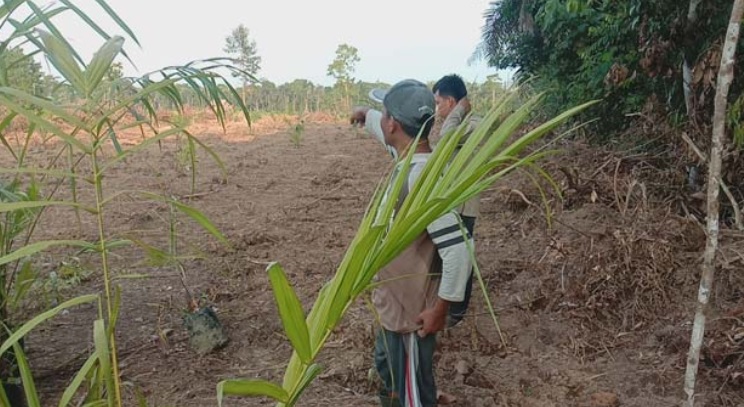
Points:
297	97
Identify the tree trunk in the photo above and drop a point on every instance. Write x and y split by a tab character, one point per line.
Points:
346	89
725	77
686	68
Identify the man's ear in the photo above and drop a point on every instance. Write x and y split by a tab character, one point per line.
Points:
451	102
389	124
395	127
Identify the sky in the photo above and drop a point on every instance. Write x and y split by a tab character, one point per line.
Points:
396	39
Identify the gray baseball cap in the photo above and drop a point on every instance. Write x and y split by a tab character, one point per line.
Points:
409	101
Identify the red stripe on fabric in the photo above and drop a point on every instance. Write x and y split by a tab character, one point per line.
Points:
409	389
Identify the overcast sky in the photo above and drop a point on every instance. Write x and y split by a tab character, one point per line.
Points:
397	39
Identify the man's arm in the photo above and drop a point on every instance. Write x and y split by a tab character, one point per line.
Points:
456	116
370	118
447	235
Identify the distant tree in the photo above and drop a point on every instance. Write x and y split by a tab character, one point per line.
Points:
301	91
21	71
49	84
266	95
245	53
484	95
115	72
342	68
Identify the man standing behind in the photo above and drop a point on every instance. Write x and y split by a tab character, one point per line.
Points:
416	288
453	106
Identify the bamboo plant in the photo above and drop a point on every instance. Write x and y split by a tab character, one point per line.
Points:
87	129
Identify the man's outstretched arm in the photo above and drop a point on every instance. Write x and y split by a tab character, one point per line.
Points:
370	118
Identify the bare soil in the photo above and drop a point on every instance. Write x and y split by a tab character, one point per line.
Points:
594	297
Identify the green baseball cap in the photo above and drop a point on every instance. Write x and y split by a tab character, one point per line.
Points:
409	101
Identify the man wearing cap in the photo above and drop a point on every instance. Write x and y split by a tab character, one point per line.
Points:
452	107
417	287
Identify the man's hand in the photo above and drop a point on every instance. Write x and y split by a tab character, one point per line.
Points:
359	115
433	319
465	103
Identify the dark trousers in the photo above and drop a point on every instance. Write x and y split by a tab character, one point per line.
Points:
390	362
457	310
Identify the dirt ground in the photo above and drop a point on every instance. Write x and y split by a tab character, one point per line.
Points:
595	305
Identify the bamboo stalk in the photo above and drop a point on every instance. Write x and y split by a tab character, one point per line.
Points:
725	77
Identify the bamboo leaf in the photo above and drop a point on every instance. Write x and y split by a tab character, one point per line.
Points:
148	88
4	125
115	141
15	206
191	150
46	105
30	131
23	282
100	338
29	387
117	243
114	315
43	123
78	380
111	13
46	19
34	248
92	24
62	56
201	219
137	123
216	158
9	6
101	63
155	256
250	388
35	321
290	311
239	101
140	147
34	171
4	402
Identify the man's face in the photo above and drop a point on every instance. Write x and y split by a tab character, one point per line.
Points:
445	104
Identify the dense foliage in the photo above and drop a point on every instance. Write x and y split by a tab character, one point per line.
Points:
630	53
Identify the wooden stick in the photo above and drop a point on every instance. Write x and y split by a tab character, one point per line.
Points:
725	77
